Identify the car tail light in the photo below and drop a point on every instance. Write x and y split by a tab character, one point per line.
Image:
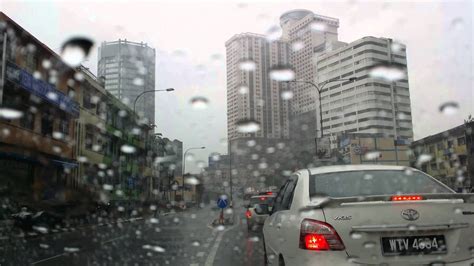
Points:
317	235
269	193
406	197
262	198
248	214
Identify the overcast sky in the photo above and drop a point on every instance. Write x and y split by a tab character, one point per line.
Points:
189	38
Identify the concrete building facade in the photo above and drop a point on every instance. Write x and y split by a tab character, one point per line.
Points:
129	69
370	104
251	94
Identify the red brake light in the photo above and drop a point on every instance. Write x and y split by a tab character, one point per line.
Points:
317	235
269	193
406	197
248	214
262	198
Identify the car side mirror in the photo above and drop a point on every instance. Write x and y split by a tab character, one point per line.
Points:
262	209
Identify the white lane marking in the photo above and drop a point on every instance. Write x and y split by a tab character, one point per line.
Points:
212	254
50	258
113	239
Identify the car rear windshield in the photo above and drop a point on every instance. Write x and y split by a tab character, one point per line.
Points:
373	182
262	200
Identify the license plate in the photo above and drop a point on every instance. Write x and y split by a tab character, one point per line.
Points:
413	245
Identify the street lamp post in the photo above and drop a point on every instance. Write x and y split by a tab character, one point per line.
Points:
184	165
139	95
319	90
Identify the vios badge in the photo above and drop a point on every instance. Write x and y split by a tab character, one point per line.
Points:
410	214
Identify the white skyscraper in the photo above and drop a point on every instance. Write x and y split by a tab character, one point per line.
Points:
379	101
251	94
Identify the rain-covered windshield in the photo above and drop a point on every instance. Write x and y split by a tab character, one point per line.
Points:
136	132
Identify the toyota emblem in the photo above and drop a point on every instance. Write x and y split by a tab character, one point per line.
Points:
410	214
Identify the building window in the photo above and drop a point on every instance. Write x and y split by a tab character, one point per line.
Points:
47	124
64	124
432	149
28	120
461	141
433	166
89	137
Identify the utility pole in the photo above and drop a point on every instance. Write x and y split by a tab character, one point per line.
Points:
4	65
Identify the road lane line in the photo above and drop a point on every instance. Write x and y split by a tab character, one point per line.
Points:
113	239
212	254
50	258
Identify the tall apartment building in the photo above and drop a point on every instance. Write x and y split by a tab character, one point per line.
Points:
308	34
251	94
129	69
370	104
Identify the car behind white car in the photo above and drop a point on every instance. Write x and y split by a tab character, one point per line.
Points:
369	215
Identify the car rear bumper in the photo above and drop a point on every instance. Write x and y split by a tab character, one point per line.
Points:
306	257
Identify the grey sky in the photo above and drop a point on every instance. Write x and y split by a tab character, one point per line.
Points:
186	35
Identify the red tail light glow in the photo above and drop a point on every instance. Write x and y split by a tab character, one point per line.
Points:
406	197
317	235
269	193
248	214
262	198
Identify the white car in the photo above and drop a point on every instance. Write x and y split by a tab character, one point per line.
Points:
369	215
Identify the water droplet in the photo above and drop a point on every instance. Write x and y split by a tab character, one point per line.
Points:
158	249
282	73
449	108
457	210
199	102
408	171
396	47
251	143
108	187
296	46
193	216
372	155
270	150
196	243
45	246
318	26
75	50
243	89
37	75
220	228
368	177
120	209
154	220
387	72
58	135
71	249
254	239
127	148
215	156
369	244
262	165
82	159
46	64
247	126
41	229
273	33
356	235
412	227
228	211
8	113
176	220
287	95
57	149
247	65
79	76
423	158
192	181
138	82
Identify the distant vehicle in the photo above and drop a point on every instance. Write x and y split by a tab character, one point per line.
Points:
257	210
368	214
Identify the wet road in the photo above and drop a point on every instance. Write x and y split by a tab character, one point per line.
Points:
184	238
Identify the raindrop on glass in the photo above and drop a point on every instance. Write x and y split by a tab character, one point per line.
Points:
107	187
369	244
196	243
287	95
296	46
423	158
282	73
389	73
138	82
273	33
192	181
199	102
75	50
46	64
58	135
355	235
127	148
247	65
449	108
71	249
247	126
243	89
372	155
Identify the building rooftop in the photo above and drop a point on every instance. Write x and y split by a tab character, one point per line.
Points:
455	131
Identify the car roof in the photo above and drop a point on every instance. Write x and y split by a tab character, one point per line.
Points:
353	167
